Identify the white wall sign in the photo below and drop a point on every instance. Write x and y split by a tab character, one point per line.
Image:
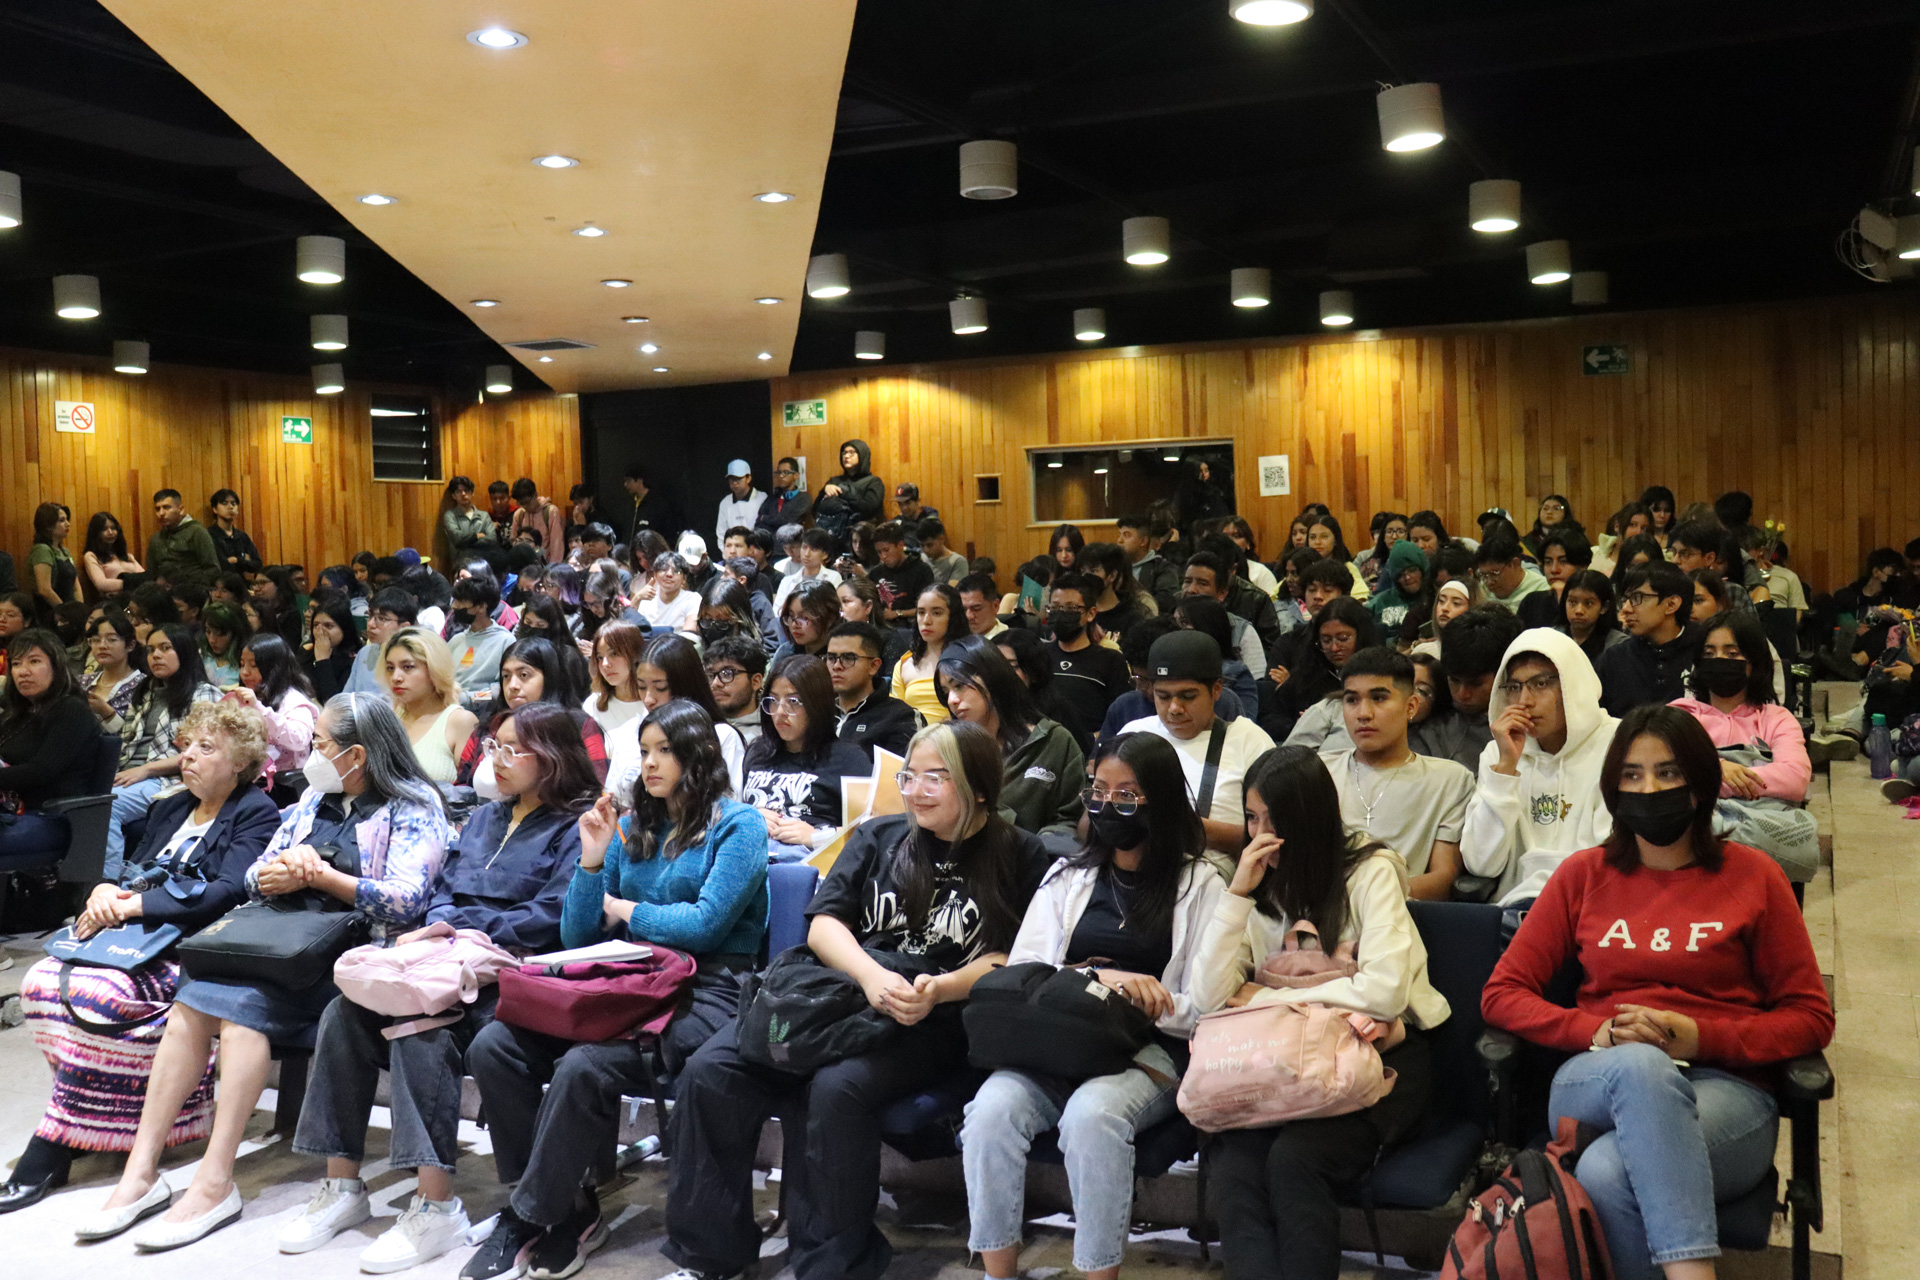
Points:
73	415
1275	477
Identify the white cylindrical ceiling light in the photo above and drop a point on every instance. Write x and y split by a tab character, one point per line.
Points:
499	379
969	315
1252	286
1270	13
10	211
989	170
1336	307
327	333
1410	117
869	344
1549	261
1493	205
130	356
1089	324
1589	288
76	297
1146	242
320	259
329	379
827	276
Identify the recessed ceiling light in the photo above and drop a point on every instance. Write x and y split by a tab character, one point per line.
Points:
496	38
773	197
768	302
546	359
590	231
555	162
633	319
764	355
660	368
1271	13
616	284
649	348
375	198
485	302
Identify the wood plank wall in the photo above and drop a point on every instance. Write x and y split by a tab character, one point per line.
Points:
198	430
1814	408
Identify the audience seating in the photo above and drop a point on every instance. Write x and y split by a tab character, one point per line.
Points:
85	856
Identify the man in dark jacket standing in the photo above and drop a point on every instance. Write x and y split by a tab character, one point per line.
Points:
854	495
180	553
1651	665
787	503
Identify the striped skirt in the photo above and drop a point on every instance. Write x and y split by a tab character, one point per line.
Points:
100	1078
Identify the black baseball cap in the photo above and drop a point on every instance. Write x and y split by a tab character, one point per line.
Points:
1184	655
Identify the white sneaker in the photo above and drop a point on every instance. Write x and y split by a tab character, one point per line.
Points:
338	1204
424	1232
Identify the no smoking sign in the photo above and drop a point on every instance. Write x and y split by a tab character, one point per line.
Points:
75	416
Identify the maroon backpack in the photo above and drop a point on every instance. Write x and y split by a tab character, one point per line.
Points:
1534	1223
596	1000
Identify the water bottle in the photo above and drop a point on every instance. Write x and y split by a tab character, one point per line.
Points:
1880	748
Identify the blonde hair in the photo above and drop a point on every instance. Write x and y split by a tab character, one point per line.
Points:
433	652
623	640
241	725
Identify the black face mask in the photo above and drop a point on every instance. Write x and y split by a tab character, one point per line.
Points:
1066	624
1658	817
711	632
1723	677
1117	832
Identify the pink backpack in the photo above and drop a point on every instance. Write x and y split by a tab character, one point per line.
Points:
1264	1064
422	979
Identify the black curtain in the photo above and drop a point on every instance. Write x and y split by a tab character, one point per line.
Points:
686	436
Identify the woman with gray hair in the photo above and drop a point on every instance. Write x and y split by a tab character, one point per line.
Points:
371	832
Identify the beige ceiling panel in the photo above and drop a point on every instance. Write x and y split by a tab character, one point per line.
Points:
679	111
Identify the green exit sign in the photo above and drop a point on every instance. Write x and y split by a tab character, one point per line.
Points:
296	431
806	413
1610	358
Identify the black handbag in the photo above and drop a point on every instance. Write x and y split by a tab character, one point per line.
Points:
1055	1022
289	941
800	1015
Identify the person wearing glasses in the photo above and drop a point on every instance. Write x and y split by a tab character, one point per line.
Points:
508	877
686	869
867	717
736	672
793	771
789	503
1138	894
946	883
1505	578
1538	794
1662	643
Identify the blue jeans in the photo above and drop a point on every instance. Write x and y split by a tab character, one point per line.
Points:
129	804
1677	1141
1097	1127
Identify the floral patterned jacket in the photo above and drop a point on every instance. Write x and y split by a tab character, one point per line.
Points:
401	848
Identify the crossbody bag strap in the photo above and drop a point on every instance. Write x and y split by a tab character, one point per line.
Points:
1210	775
103	1028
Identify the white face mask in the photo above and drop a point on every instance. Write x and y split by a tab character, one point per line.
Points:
485	784
323	773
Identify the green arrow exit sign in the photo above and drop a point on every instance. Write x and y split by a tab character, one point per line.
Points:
1610	358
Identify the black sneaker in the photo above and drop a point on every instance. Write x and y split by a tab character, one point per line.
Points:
567	1245
504	1255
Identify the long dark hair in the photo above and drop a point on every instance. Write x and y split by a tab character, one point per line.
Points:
337	607
1539	530
559	682
1106	558
1430	520
1628	548
279	669
567	779
814	687
229	620
989	860
45	516
1698	759
1308	880
679	661
703	783
1339	551
16	706
956	619
177	690
548	610
1366	634
1175	837
97	537
1752	639
1075	539
1652	496
977	663
1601	586
722	592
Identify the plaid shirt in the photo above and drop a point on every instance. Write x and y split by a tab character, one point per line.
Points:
149	731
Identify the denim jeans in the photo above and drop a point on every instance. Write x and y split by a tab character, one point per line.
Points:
1097	1127
424	1073
130	803
1677	1142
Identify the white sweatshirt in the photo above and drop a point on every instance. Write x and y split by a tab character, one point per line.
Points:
1062	899
1520	827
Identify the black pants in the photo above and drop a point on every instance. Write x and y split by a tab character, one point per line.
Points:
1272	1190
550	1144
831	1166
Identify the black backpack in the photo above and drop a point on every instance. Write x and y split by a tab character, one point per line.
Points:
1056	1022
800	1015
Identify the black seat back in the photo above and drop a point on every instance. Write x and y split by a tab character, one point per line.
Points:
1463	945
106	763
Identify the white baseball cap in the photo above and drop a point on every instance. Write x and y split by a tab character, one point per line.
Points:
739	467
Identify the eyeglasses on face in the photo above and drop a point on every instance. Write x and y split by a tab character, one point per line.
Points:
505	753
773	706
1640	599
1125	803
1536	685
724	675
843	659
934	780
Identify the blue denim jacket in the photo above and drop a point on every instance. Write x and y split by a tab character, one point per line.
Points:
512	891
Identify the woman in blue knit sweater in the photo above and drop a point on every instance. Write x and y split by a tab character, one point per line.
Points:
686	869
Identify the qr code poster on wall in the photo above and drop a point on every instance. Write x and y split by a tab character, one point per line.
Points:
1275	478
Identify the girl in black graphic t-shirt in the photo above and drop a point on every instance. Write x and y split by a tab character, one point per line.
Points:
947	881
793	769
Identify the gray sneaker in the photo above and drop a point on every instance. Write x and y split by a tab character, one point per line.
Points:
1898	790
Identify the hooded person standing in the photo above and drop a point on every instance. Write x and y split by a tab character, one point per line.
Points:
1538	799
1403	586
854	495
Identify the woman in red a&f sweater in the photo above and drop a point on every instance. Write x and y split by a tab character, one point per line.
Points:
1698	979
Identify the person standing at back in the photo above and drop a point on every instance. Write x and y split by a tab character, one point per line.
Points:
742	504
181	550
651	509
788	503
539	515
231	545
854	495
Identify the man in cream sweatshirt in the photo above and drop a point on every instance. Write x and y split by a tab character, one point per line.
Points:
1538	798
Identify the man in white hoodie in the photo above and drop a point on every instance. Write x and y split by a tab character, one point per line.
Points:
1538	798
